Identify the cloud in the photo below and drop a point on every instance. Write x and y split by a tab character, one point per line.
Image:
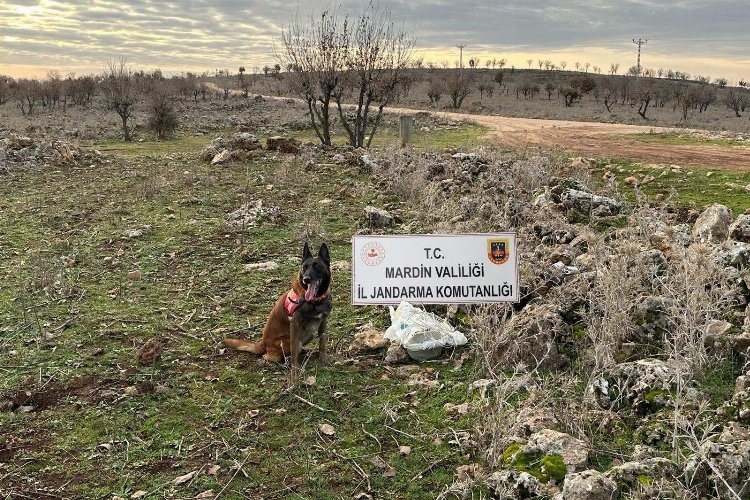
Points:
201	35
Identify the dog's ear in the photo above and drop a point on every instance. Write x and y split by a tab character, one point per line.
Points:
323	254
306	253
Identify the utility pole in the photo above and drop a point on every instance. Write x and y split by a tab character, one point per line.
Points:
461	57
639	43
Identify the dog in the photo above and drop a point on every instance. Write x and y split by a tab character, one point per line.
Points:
298	315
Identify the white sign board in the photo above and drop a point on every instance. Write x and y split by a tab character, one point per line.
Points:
434	269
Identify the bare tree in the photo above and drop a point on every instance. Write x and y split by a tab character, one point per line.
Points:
334	58
122	89
458	89
4	89
435	91
550	88
563	64
607	91
375	67
317	50
642	95
613	68
26	91
734	100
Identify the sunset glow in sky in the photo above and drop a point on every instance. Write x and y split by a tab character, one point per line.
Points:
699	37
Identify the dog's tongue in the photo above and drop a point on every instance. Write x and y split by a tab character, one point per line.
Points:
312	290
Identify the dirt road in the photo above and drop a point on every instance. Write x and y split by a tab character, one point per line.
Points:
603	140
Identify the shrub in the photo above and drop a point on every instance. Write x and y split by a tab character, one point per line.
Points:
162	117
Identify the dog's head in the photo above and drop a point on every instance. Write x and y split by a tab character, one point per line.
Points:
315	273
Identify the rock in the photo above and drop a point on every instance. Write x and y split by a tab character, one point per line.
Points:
729	456
262	266
589	485
396	354
586	202
208	153
221	157
456	410
631	181
741	342
483	387
717	332
513	484
245	141
283	144
368	164
652	315
740	229
531	338
138	232
713	223
630	473
150	352
641	384
377	217
249	214
573	452
733	254
464	156
367	340
470	472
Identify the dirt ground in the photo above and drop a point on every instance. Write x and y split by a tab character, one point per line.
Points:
605	140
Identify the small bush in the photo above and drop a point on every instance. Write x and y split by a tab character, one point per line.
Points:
162	117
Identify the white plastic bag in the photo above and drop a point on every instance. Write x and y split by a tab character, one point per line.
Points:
421	333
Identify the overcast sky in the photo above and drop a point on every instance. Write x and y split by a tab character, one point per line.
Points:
707	37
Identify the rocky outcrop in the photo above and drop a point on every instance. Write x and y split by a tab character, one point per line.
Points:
287	145
588	485
377	217
641	384
740	229
712	225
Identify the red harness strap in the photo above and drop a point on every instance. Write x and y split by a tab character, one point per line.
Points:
294	300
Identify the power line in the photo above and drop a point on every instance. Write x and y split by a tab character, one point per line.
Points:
461	56
639	43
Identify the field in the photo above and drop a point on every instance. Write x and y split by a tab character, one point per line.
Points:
134	245
80	297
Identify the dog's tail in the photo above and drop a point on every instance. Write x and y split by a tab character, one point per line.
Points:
244	345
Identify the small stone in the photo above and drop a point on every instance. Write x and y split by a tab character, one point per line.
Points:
149	352
222	157
396	354
367	340
327	429
262	266
588	485
377	217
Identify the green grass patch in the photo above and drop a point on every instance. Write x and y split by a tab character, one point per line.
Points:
466	135
688	186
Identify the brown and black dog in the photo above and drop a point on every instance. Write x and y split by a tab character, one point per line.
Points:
298	315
